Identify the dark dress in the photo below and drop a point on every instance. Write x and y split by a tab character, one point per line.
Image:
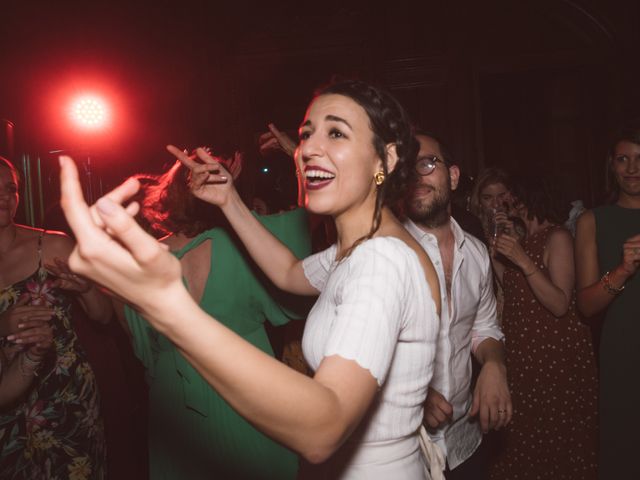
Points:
619	350
553	383
57	431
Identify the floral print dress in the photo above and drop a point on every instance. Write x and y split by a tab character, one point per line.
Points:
57	431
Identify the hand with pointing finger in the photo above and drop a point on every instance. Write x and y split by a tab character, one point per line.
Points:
274	140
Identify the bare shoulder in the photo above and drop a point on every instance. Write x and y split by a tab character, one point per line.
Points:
559	245
586	224
57	244
560	236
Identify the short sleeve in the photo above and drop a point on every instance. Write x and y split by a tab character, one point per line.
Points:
369	315
317	267
144	338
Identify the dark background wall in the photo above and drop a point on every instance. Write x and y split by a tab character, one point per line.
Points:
533	86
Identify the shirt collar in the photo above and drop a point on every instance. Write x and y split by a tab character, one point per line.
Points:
459	235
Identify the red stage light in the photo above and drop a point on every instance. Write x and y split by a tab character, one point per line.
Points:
90	112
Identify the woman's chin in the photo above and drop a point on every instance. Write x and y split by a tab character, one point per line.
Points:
318	207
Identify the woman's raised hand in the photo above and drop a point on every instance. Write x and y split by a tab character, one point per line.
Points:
111	247
209	180
631	255
508	244
65	278
274	140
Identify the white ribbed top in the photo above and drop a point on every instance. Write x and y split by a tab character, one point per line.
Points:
376	308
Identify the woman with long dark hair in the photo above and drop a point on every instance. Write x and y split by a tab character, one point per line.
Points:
370	336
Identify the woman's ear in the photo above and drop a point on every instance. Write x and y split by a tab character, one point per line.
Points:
392	157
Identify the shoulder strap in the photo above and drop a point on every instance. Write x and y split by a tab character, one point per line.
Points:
40	248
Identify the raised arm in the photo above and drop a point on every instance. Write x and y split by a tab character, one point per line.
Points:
592	295
312	416
212	183
552	290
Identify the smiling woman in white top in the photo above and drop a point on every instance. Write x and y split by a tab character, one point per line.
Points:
371	335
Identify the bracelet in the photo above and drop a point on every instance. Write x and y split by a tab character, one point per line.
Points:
28	366
609	288
535	270
34	361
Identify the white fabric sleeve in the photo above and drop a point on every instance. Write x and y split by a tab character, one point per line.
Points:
317	267
486	324
369	312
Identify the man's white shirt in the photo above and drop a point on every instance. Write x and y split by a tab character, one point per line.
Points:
470	319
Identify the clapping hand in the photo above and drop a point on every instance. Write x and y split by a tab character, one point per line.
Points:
20	313
36	335
66	279
631	255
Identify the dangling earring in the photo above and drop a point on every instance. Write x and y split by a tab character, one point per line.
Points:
379	178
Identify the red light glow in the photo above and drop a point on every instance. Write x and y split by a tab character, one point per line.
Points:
90	112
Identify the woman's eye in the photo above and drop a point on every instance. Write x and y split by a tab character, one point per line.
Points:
621	158
305	134
335	133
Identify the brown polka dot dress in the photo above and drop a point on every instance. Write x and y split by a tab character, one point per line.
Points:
553	383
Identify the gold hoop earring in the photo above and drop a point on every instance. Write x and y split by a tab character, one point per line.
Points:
379	178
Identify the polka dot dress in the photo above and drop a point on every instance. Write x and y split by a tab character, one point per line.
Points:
553	382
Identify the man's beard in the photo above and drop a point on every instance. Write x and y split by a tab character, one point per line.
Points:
433	212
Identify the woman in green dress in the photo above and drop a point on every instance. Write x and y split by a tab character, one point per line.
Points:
193	432
607	261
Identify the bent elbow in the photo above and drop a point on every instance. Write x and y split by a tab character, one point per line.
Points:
585	307
560	310
316	454
322	447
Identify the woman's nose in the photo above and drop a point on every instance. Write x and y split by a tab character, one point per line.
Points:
633	165
309	148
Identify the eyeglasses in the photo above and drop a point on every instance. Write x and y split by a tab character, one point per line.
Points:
426	165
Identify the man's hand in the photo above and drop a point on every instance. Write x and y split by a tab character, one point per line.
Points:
491	397
437	411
